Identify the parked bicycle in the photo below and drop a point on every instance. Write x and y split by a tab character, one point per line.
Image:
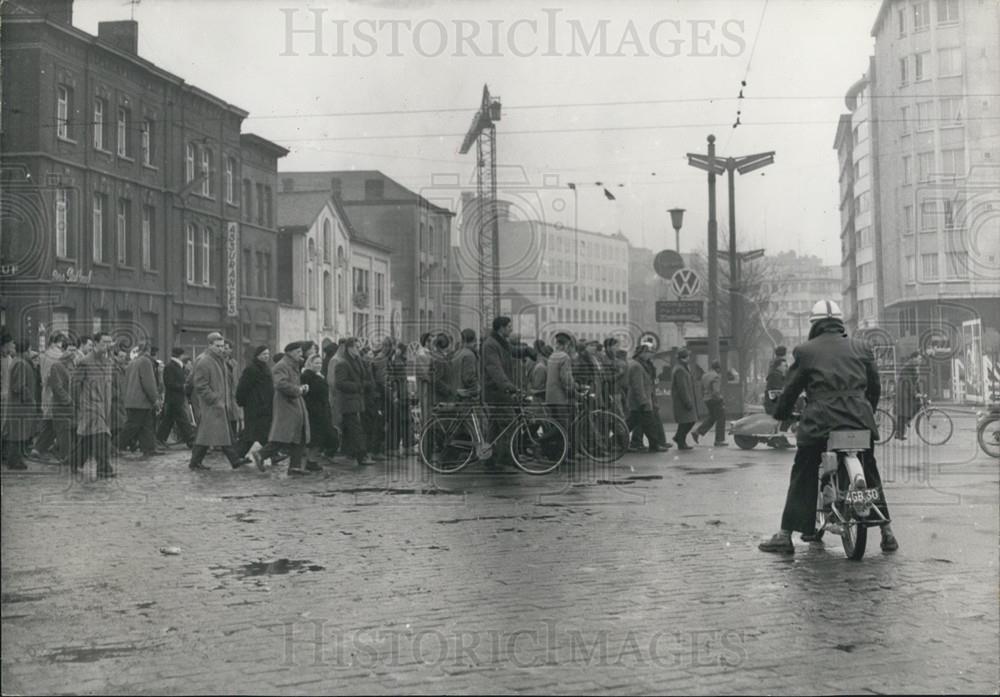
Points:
932	424
988	431
455	435
599	434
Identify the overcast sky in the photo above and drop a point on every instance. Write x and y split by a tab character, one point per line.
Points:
622	110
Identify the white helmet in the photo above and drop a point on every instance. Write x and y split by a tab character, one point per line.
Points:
825	309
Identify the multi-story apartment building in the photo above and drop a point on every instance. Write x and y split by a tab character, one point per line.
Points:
933	139
795	284
554	278
332	282
418	232
124	178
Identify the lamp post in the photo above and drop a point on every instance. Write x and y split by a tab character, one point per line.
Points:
677	220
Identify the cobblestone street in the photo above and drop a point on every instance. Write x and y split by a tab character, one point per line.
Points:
642	578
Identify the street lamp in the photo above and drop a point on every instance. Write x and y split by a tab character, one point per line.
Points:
677	220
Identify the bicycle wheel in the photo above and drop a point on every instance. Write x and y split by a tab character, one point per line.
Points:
446	444
601	436
988	435
538	444
886	425
933	426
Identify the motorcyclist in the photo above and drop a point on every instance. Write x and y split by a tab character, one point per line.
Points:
842	389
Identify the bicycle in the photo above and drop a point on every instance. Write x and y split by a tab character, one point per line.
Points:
601	435
454	435
988	431
932	424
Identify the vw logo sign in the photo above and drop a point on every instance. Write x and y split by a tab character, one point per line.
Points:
686	283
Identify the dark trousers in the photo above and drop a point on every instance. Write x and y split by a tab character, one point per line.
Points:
13	455
400	432
683	429
499	414
645	423
295	452
375	429
63	426
717	417
46	437
97	446
566	416
139	425
198	453
175	415
803	487
353	436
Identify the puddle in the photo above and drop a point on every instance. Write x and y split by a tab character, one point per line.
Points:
20	598
90	655
269	568
645	477
705	470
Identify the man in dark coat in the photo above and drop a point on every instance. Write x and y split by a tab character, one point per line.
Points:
92	398
318	408
464	367
907	389
842	389
60	385
142	396
643	415
498	367
289	421
22	416
349	379
216	405
118	356
175	404
685	403
255	394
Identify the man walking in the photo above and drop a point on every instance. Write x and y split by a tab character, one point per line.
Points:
175	406
255	393
290	422
683	397
92	397
214	395
711	392
141	397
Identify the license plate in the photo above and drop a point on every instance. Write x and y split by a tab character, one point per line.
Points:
862	496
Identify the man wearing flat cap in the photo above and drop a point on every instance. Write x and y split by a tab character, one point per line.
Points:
289	422
214	394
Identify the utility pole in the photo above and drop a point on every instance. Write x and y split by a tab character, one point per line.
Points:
713	167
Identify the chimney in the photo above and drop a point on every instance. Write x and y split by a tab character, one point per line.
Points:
60	11
123	35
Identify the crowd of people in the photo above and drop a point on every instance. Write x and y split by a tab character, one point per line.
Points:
95	397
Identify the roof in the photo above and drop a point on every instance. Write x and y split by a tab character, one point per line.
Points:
394	192
299	209
880	17
255	141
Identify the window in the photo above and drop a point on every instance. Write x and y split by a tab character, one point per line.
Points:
379	290
268	207
925	116
911	269
374	189
97	236
248	278
62	223
100	123
907	169
206	257
957	264
953	161
952	110
207	188
148	218
64	100
190	253
360	281
247	201
147	142
948	214
260	204
189	163
949	62
123	123
925	165
122	241
904	119
264	275
921	15
864	237
861	132
947	11
862	167
929	216
921	64
902	71
327	299
310	289
230	180
908	220
929	266
862	202
865	273
326	242
901	22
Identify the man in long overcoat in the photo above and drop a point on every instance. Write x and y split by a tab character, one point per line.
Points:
685	402
255	393
214	395
643	417
348	399
289	420
92	398
22	417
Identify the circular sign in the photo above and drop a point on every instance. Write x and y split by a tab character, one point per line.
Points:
686	283
667	262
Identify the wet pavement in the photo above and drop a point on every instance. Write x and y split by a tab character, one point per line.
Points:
634	578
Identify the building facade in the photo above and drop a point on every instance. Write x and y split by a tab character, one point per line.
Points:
333	283
387	215
933	140
123	179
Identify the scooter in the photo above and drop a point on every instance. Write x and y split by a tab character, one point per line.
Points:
760	428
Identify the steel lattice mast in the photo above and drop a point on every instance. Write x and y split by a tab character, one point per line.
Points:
483	133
